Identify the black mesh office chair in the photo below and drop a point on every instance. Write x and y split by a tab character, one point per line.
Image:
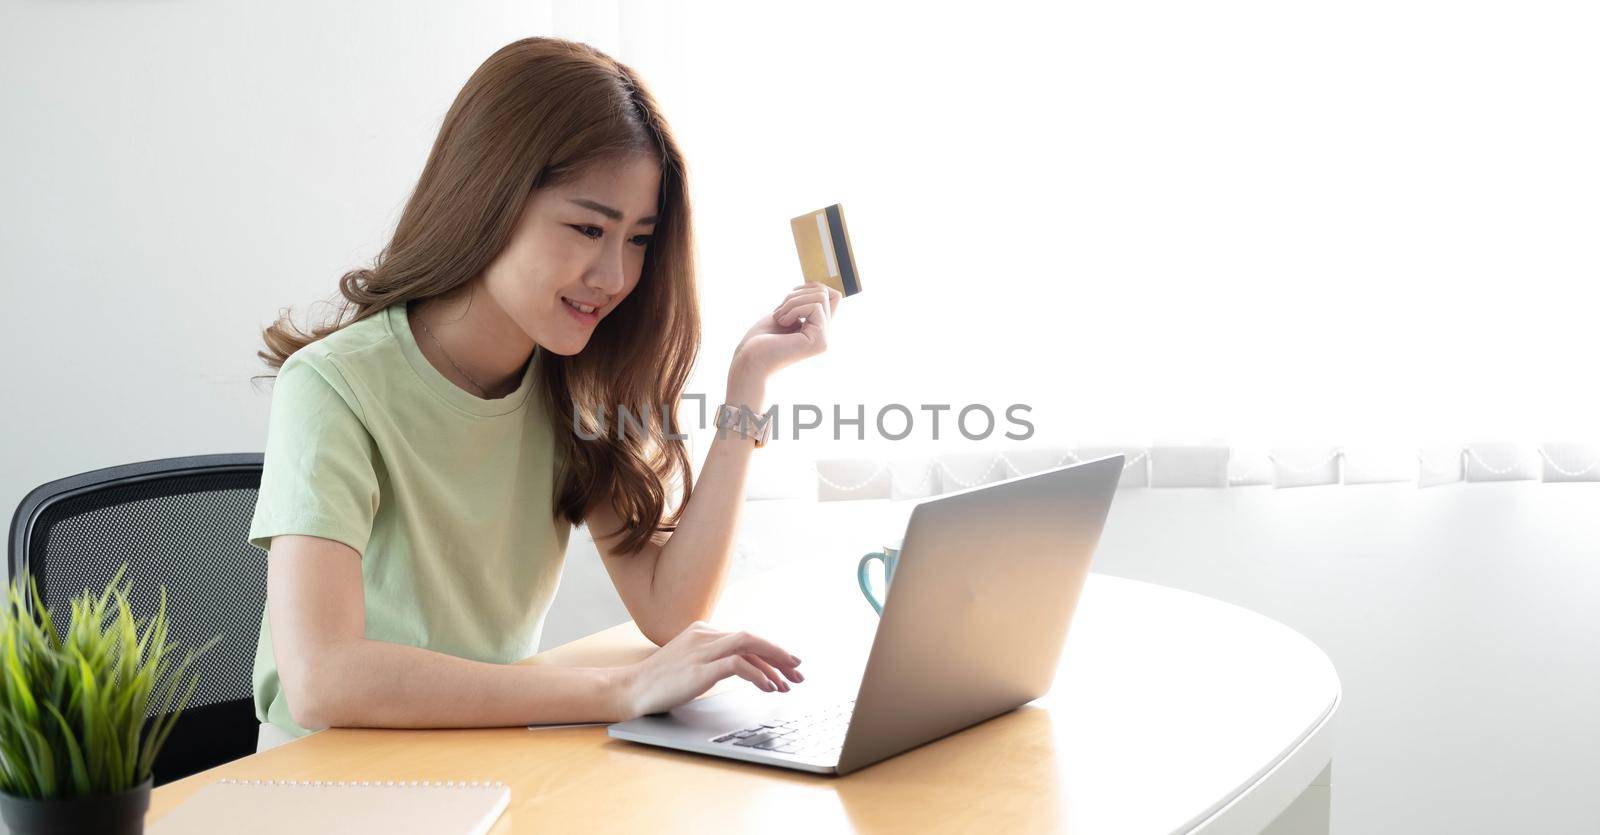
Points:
177	522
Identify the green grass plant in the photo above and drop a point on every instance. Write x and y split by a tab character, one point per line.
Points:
73	705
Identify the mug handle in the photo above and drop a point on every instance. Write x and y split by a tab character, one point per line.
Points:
861	577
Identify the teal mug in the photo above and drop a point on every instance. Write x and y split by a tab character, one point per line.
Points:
890	557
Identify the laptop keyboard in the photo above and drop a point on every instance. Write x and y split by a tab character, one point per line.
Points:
819	733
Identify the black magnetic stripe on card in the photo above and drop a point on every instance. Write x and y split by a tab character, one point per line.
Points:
841	251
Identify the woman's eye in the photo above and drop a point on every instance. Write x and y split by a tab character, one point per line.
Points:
638	240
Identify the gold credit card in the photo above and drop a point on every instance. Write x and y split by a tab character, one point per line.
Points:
824	246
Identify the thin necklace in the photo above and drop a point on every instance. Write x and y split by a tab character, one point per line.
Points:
429	332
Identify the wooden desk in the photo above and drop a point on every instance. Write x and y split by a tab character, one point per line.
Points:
1171	712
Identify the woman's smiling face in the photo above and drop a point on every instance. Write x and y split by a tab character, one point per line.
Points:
577	252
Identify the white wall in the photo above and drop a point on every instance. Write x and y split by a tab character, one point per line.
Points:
1244	219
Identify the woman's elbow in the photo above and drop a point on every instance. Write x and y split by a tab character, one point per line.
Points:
656	636
312	696
663	631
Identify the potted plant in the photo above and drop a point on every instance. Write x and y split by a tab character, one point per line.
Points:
75	747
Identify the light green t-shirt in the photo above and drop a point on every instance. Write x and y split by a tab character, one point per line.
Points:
446	496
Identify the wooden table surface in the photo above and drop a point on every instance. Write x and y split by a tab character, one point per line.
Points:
1171	712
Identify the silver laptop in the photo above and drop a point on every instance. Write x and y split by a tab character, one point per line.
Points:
973	627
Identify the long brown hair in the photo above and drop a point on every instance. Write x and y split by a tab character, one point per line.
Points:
539	112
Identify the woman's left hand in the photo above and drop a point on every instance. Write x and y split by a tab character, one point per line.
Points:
796	329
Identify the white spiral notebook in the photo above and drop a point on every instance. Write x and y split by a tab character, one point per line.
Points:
338	806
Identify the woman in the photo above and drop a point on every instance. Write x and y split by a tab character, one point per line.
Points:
427	458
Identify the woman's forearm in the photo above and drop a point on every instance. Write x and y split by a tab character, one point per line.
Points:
693	564
377	684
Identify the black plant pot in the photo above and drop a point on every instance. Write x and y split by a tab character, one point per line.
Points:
104	814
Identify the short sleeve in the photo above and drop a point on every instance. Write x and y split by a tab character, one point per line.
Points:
319	473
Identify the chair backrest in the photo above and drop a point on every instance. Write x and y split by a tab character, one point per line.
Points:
181	523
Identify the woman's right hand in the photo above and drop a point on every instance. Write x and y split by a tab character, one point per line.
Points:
699	657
